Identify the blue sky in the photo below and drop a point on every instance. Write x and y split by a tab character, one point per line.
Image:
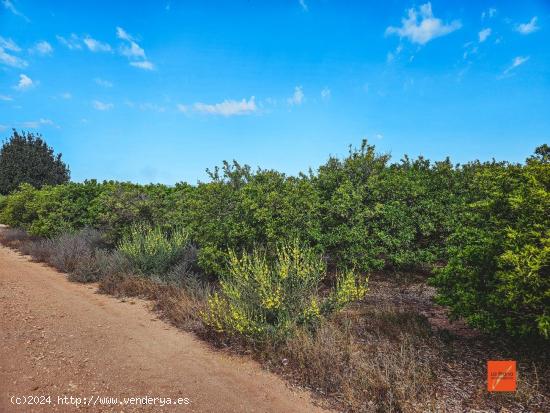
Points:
158	91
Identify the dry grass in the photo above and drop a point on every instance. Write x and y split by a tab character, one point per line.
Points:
178	306
353	360
13	237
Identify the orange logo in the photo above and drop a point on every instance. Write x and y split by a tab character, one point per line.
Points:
501	375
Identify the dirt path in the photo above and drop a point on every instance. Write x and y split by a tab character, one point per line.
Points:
59	338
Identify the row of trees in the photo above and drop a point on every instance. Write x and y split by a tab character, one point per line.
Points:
480	230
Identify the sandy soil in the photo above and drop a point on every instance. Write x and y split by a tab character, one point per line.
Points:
63	339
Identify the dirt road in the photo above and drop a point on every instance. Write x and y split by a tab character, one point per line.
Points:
59	338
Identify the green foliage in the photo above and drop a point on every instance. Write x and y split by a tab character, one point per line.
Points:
482	228
64	208
119	205
498	274
347	208
239	209
26	158
18	209
151	250
377	216
261	299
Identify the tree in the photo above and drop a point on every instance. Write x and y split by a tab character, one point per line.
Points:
26	158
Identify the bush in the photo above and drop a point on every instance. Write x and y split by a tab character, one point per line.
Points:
263	302
120	205
18	209
63	208
13	237
39	250
187	275
71	248
498	274
99	264
151	250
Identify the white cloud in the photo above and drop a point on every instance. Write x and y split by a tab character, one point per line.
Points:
8	58
66	96
225	108
72	43
123	34
147	106
144	64
11	60
303	5
9	44
490	13
527	28
35	124
325	93
103	82
95	45
484	34
101	105
133	51
6	98
75	42
420	26
518	61
24	83
8	5
42	48
297	97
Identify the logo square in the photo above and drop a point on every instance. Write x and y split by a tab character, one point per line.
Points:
501	375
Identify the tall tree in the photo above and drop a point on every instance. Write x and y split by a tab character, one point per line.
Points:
26	157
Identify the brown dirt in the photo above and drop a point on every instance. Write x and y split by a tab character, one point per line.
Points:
63	339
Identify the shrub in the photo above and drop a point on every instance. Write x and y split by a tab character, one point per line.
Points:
18	210
111	262
39	250
187	275
263	302
498	274
70	249
120	205
375	215
99	264
12	236
64	208
151	250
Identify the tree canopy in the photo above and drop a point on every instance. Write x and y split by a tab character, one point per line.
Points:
27	158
